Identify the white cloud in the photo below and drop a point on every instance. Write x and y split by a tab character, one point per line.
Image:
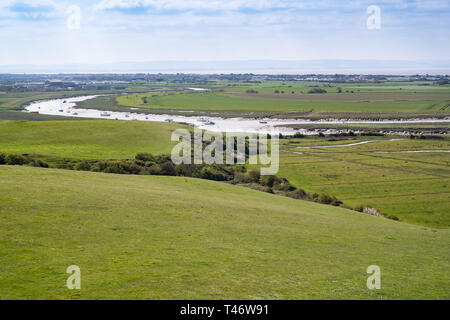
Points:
214	4
433	4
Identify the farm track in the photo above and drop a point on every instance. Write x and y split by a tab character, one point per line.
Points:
373	182
375	165
397	195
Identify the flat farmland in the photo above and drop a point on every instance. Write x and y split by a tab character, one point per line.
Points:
217	101
413	186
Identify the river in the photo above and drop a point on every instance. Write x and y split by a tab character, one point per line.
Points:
66	108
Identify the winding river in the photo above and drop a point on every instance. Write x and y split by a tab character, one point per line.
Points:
66	108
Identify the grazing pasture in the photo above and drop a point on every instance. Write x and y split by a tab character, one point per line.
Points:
415	187
87	139
149	237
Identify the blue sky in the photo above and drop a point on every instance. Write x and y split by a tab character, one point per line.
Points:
37	31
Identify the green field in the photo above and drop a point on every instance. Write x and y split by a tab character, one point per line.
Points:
87	139
412	186
238	102
147	237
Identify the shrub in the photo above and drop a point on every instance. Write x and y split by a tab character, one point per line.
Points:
114	167
268	190
267	181
155	170
2	158
283	185
299	194
38	163
240	177
83	165
167	168
328	199
317	90
99	166
392	217
15	159
145	157
254	175
212	173
346	206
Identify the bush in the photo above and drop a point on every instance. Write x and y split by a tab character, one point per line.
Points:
299	194
268	190
145	157
167	168
212	173
317	90
346	206
38	163
155	170
114	167
254	175
240	177
99	166
83	165
392	217
2	158
267	181
15	159
328	199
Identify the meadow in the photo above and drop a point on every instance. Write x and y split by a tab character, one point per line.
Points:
87	139
148	237
216	101
292	98
411	186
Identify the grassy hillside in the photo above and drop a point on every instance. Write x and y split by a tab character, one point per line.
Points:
88	139
176	238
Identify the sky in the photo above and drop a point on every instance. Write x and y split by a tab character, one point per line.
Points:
43	32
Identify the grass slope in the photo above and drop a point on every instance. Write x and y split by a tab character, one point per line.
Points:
175	238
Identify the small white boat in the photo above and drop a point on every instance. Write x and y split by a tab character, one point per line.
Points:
210	123
168	120
75	113
105	114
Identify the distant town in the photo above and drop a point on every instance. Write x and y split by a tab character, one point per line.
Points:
108	81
